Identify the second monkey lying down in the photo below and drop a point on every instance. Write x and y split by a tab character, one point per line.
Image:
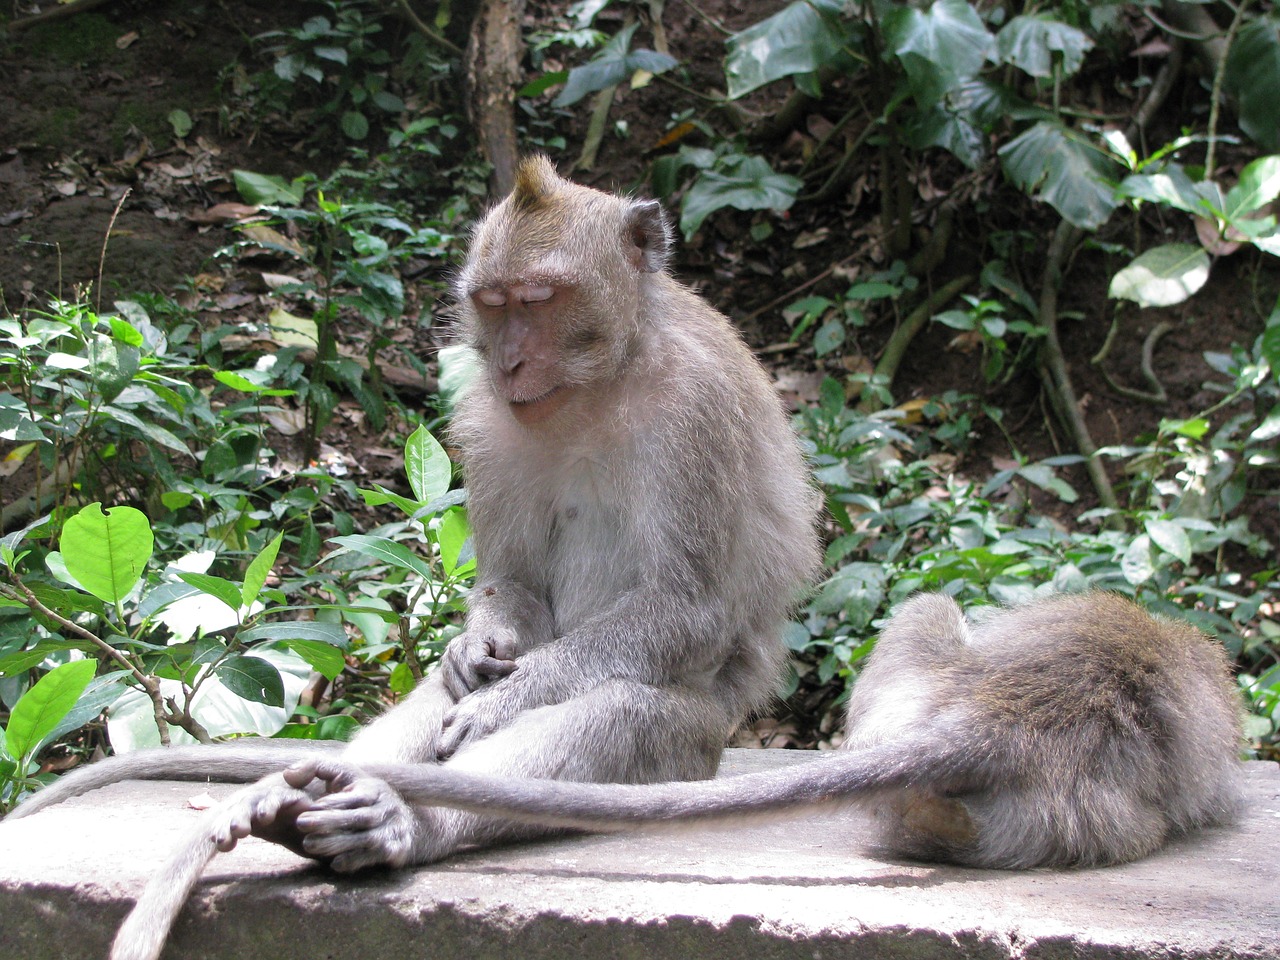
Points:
1074	731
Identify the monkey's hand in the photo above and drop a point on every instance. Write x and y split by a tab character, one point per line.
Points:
479	714
359	822
477	656
268	809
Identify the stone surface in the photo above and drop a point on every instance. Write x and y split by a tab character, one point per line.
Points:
803	887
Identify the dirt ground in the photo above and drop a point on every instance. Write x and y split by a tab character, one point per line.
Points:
89	162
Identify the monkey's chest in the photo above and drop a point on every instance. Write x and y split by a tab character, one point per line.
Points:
588	563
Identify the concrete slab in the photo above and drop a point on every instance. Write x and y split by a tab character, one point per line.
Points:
798	888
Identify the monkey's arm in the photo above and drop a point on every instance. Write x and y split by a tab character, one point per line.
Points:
504	620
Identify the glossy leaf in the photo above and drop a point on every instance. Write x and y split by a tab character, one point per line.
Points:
259	569
1253	77
1032	43
614	63
744	183
252	678
38	711
1162	276
940	47
386	551
1058	166
1259	185
427	465
107	552
798	39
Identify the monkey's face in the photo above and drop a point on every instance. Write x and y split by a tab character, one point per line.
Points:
550	294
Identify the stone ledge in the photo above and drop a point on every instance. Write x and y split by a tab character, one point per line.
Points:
799	888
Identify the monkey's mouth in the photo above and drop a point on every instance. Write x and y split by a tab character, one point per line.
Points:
533	409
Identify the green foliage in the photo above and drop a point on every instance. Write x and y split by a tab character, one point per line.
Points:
217	654
337	60
908	522
614	63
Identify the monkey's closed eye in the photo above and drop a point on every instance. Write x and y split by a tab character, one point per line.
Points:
535	294
491	298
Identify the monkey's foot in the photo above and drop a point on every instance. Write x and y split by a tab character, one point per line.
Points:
359	822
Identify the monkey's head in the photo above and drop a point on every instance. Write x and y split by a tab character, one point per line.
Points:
552	293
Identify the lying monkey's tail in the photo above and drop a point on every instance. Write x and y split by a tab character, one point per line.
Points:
832	779
144	931
232	763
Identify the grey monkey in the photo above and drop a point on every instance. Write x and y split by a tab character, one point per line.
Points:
1075	731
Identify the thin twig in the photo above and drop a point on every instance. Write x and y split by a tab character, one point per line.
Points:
420	25
106	237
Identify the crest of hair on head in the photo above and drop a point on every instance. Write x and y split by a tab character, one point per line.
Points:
536	178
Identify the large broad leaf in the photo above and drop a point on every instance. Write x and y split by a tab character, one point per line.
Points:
107	552
798	39
252	678
131	721
1170	187
1253	76
1259	185
1032	43
313	631
427	465
1058	166
613	64
745	183
38	711
386	551
1162	276
940	47
259	569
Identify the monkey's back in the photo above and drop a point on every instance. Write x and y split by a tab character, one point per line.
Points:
1088	731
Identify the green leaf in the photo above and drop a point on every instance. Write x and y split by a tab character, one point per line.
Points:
216	587
452	537
386	551
744	183
427	465
313	631
181	122
939	47
1031	43
355	125
262	189
1162	276
800	38
1067	172
17	427
1259	185
1253	77
1136	564
828	337
1170	538
107	552
612	65
112	365
252	678
1171	188
256	576
38	711
325	659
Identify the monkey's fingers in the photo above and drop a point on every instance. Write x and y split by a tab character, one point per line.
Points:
493	668
336	774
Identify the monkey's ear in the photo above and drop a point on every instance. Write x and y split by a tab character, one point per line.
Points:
648	236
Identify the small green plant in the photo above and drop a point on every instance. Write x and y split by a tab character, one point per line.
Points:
350	251
334	59
214	654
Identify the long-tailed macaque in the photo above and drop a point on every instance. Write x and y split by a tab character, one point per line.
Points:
1074	731
642	521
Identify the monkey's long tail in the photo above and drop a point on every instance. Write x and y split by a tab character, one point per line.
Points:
232	763
144	931
829	780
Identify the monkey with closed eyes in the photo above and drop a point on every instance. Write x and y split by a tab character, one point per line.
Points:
1075	731
643	523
